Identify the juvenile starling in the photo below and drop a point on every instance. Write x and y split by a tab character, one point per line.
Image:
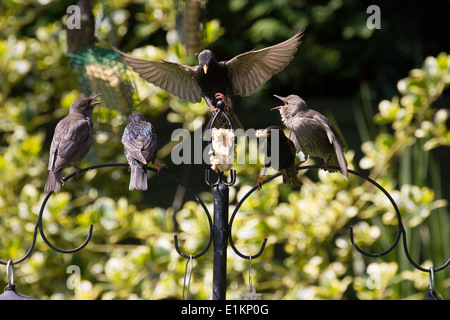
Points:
215	80
286	154
140	146
71	141
312	133
83	36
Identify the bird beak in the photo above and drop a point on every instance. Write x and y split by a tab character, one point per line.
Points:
282	99
205	68
93	103
261	133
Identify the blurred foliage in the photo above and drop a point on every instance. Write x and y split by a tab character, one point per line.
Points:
308	254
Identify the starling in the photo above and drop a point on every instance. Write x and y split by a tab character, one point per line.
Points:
214	80
312	133
140	146
84	36
286	154
71	141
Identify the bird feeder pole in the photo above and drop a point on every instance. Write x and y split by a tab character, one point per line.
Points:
220	240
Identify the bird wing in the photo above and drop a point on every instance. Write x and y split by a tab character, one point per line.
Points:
292	147
295	141
251	69
150	145
175	78
335	140
141	147
70	142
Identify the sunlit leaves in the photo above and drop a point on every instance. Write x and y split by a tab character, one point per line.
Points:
412	114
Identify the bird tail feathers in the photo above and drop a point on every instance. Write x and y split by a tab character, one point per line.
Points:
342	164
54	182
291	177
138	178
339	161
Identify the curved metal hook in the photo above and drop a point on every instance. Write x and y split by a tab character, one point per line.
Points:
400	231
205	209
230	225
41	231
400	225
10	274
33	243
221	178
41	212
214	118
39	227
405	248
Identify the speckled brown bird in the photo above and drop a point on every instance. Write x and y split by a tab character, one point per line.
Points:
312	133
140	145
71	142
286	154
214	80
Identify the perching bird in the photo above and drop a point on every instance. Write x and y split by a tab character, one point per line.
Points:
312	133
214	80
286	154
83	35
140	146
71	142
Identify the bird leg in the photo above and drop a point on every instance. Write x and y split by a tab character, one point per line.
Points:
78	171
298	164
259	183
159	166
304	160
325	164
224	99
294	167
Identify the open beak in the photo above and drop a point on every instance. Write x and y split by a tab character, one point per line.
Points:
93	103
282	99
205	68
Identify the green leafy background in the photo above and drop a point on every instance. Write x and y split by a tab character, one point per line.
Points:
384	89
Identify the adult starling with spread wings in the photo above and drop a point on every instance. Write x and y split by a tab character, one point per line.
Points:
71	142
312	133
214	80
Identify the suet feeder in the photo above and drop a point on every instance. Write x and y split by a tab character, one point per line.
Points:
103	71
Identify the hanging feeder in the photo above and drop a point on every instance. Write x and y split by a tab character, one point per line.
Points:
250	291
10	290
102	70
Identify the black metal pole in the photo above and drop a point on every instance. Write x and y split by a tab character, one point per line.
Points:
220	241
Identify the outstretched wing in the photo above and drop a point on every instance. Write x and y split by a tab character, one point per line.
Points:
251	69
175	78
